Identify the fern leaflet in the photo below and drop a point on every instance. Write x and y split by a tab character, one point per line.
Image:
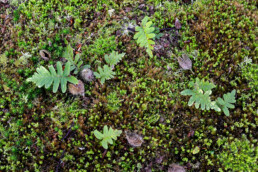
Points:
145	34
201	95
229	98
114	58
44	77
75	61
107	136
104	74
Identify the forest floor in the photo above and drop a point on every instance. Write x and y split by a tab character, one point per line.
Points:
124	85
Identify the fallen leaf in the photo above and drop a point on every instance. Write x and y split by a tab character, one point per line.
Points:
3	59
77	89
6	89
134	139
177	24
176	168
45	54
185	62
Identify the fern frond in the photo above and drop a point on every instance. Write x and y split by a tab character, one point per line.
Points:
44	77
203	85
229	98
74	61
200	95
104	74
145	34
114	58
107	136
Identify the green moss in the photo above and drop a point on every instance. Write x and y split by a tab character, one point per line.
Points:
238	154
39	129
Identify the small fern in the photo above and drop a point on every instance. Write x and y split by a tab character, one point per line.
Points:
229	98
145	34
107	136
44	77
200	95
76	63
104	74
114	58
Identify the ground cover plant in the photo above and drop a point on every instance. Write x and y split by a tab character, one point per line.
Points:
123	85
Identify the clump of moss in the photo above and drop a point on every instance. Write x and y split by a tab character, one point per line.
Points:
238	154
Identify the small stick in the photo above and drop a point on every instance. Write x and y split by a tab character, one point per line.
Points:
58	165
70	129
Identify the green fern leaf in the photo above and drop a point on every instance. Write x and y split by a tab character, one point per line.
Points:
204	85
74	61
114	58
108	136
44	77
226	104
68	53
145	34
200	95
104	74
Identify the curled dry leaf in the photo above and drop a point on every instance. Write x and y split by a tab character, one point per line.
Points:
134	139
45	54
176	168
185	62
159	159
148	168
4	1
77	89
177	24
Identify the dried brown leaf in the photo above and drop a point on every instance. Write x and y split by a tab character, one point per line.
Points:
77	89
176	168
134	139
185	62
45	54
177	24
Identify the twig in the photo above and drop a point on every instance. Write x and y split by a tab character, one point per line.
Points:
70	129
58	165
167	29
131	29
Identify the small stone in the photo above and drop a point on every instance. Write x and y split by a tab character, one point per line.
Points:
77	89
87	75
134	139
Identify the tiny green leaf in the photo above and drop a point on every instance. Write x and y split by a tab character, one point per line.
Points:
196	150
75	62
226	104
98	134
114	58
108	136
104	74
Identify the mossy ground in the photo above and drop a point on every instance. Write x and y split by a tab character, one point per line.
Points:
42	131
